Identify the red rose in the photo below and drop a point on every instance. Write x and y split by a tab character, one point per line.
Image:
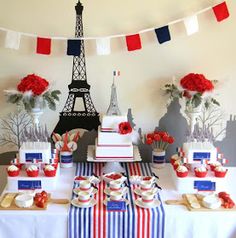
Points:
125	128
196	82
33	83
157	137
163	133
171	140
149	141
165	138
150	135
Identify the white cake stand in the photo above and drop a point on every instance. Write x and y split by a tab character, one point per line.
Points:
112	165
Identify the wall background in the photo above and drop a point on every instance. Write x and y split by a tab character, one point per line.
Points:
211	51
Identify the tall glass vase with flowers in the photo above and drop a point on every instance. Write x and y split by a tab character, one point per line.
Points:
159	141
196	90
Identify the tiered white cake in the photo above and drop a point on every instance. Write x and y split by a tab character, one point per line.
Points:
110	144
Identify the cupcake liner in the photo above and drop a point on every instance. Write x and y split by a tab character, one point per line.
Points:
200	174
14	173
182	174
50	173
33	173
220	174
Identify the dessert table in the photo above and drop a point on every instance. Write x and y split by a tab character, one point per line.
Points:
179	222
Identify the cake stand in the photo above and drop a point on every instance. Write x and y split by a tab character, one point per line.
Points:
112	165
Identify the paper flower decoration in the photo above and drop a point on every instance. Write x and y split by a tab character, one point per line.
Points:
34	92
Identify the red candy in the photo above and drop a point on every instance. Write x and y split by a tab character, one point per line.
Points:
80	178
114	176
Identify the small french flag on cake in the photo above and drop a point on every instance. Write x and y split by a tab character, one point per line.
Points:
116	73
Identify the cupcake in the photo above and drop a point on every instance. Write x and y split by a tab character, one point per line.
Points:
176	164
32	171
13	171
214	165
200	172
220	171
49	170
174	158
182	171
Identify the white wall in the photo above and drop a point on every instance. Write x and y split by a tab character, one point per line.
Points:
211	51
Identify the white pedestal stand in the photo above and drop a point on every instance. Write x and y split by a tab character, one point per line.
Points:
35	114
112	165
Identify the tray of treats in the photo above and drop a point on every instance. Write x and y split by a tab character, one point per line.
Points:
212	202
26	201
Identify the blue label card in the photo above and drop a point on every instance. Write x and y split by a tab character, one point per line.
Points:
116	206
198	156
66	159
204	185
29	157
29	184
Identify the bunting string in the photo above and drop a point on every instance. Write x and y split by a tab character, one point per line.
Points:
133	40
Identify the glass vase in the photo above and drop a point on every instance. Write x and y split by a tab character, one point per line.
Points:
158	158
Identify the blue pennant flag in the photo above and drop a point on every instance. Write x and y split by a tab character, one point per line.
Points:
74	47
163	34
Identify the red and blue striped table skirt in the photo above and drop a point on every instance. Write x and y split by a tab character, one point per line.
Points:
97	222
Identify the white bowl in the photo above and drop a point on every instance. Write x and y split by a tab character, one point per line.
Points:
24	201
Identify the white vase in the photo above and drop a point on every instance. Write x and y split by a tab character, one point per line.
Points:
35	114
193	113
158	158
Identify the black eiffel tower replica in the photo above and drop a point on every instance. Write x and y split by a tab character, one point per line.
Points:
79	88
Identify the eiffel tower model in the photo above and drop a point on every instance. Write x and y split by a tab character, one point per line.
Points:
87	118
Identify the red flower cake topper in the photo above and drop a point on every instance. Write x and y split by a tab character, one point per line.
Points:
125	128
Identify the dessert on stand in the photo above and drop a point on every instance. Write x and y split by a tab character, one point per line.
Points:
114	142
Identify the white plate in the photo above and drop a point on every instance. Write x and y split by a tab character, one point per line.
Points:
123	200
108	180
139	192
92	190
76	203
155	203
108	191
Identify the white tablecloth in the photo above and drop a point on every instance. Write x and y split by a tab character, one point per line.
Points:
50	223
179	222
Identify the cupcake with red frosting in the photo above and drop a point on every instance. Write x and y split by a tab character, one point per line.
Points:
32	171
174	158
214	165
220	171
49	170
182	171
200	172
13	171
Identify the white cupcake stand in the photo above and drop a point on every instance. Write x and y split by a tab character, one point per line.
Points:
112	165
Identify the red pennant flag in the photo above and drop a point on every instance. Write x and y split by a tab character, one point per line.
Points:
221	11
133	42
43	46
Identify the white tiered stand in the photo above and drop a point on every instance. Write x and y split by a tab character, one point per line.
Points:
112	165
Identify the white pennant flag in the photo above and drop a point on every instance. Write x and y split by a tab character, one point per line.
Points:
191	24
103	46
12	40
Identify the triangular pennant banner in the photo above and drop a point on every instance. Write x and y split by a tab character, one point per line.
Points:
221	11
12	40
163	34
43	46
103	46
133	42
191	25
74	47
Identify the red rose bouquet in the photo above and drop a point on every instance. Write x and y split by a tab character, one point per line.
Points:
159	140
195	89
34	92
